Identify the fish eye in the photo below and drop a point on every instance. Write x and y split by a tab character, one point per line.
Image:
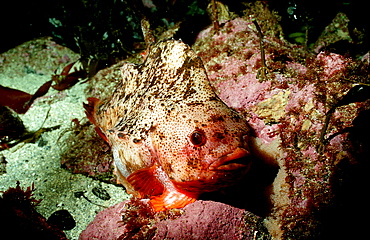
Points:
198	138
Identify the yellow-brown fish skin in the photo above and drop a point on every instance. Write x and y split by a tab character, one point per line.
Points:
172	138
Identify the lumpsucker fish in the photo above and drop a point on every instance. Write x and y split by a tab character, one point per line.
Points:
171	136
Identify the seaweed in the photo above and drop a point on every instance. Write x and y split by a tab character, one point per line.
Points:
13	131
20	218
21	101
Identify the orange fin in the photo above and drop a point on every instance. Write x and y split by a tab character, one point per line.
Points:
171	199
146	182
90	110
101	134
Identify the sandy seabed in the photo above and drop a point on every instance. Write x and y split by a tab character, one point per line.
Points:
39	162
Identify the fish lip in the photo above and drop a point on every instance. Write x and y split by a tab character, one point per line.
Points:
222	163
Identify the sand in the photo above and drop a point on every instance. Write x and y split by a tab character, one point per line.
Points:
39	162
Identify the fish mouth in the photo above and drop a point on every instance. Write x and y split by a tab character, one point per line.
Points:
232	161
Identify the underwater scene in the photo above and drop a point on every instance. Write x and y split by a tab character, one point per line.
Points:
184	119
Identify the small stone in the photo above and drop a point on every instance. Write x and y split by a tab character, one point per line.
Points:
62	219
3	163
273	109
101	193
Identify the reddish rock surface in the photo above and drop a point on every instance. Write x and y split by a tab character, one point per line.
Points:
287	109
199	220
106	225
211	220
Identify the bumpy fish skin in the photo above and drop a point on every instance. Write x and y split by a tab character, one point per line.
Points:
172	138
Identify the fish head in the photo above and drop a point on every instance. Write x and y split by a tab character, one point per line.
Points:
204	146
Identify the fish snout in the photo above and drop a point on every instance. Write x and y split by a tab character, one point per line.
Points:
238	158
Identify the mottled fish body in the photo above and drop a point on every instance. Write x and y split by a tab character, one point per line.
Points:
172	137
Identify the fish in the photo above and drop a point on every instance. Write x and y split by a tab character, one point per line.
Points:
171	136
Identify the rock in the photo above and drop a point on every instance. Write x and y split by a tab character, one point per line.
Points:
62	219
200	220
211	220
106	224
296	112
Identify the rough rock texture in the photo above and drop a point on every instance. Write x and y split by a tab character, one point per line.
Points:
40	56
287	108
200	220
90	155
106	224
212	220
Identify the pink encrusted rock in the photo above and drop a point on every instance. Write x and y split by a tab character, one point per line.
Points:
134	219
210	220
288	111
106	224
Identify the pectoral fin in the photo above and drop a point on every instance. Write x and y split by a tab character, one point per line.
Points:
171	199
145	182
162	195
90	110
